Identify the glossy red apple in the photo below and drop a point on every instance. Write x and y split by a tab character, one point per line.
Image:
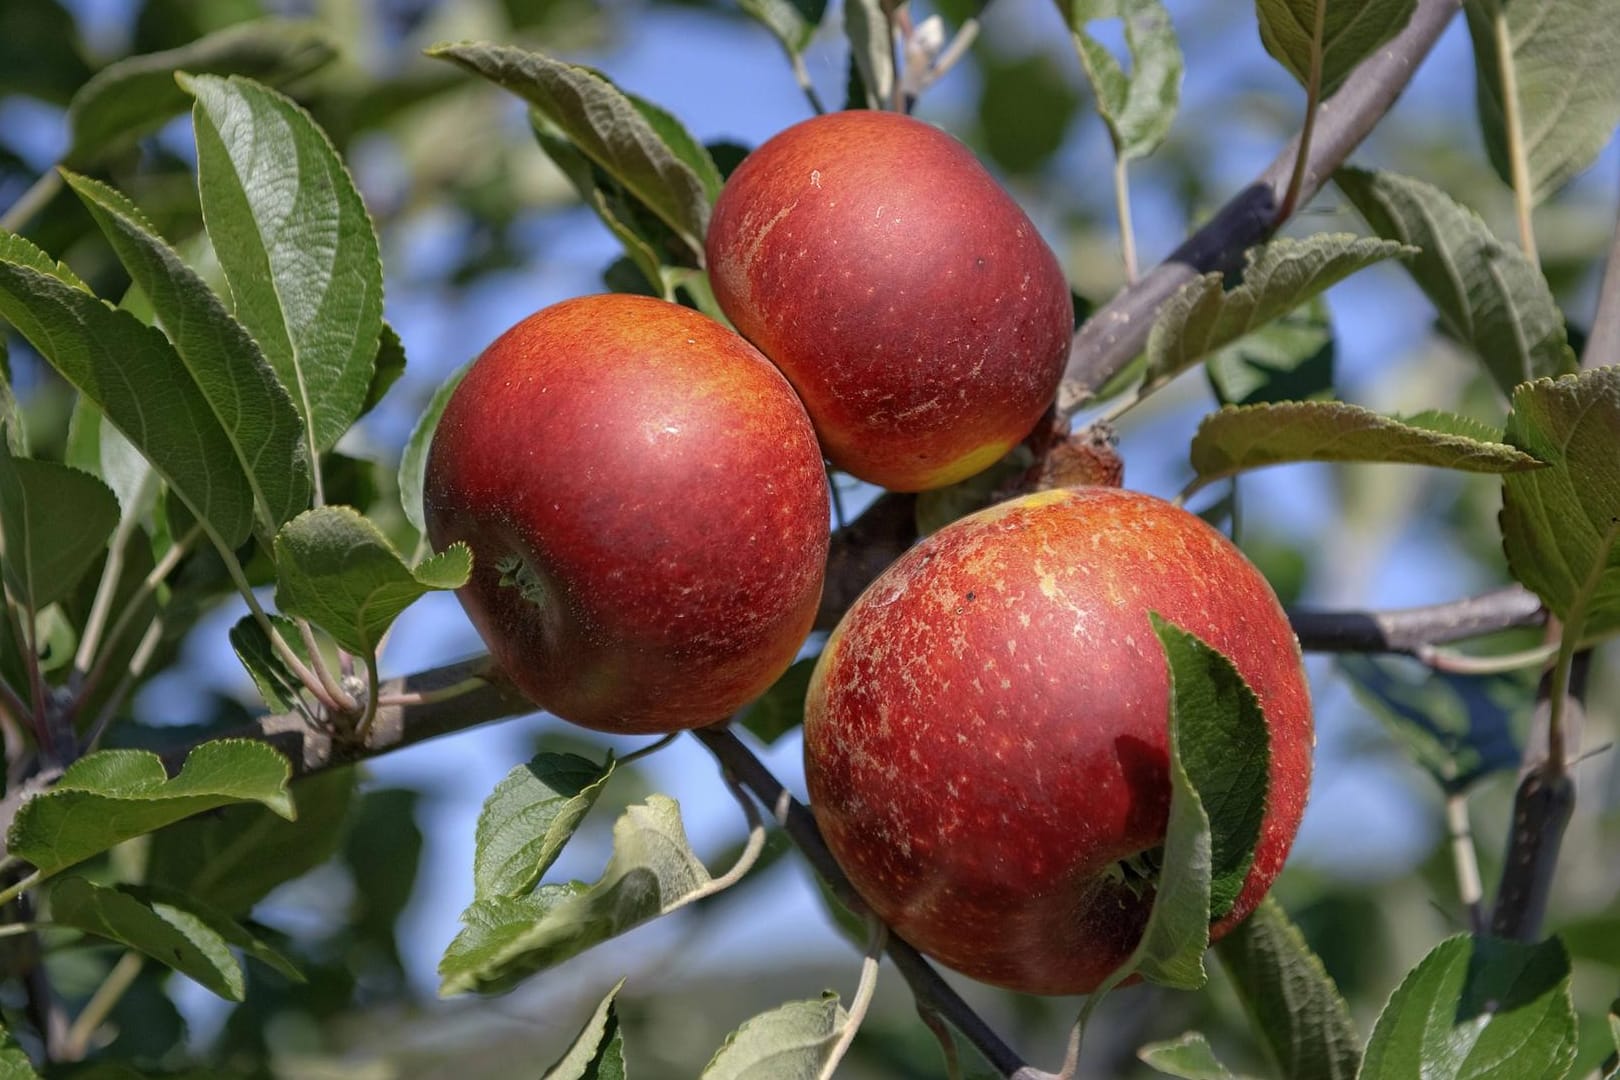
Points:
986	732
915	308
647	510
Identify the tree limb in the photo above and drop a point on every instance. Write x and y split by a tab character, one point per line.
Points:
1115	334
1409	630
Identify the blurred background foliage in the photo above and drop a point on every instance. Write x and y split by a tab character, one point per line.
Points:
478	229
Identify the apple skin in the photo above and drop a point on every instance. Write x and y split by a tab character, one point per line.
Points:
647	509
986	733
910	301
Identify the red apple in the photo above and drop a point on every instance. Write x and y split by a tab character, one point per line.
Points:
647	510
986	735
921	317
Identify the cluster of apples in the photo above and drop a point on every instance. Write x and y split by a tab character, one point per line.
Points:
645	494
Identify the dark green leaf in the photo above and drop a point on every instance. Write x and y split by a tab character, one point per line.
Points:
281	689
1352	30
528	818
1287	360
1138	107
1458	728
1018	138
137	95
230	859
386	368
337	569
115	795
54	521
251	406
793	22
1561	525
781	708
134	375
793	1040
651	872
296	245
11	418
1561	54
1477	1008
413	464
1277	277
1188	1057
40	53
605	125
692	153
1489	296
1290	997
597	1052
1253	436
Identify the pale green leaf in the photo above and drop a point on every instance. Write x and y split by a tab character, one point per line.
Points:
1477	1009
1352	30
605	125
132	373
597	1052
11	418
108	797
790	1042
1561	525
1189	1057
54	522
1241	437
1290	997
528	818
413	464
1562	57
138	94
296	245
652	871
335	568
254	410
1139	106
871	47
1491	298
794	22
14	1063
1277	277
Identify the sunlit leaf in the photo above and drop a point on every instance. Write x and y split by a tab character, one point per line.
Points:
792	1042
793	22
1189	1057
1140	105
413	464
871	49
1352	30
528	818
597	1052
1290	359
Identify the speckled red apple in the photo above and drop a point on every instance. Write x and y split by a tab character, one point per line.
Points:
986	733
915	308
647	509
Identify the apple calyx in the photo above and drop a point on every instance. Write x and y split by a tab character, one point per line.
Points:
516	573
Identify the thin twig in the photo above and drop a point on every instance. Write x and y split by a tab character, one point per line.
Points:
1114	336
126	682
1512	121
32	201
801	74
1466	860
1122	208
317	664
101	1004
947	1045
1407	630
432	697
862	1000
650	748
1453	662
745	861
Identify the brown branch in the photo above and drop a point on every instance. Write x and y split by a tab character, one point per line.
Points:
1409	630
1113	336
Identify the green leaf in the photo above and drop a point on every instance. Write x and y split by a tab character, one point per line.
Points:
232	858
1290	997
14	1063
137	95
40	54
528	818
503	940
681	143
793	22
597	1052
413	464
132	373
1139	107
108	797
1189	1057
1241	437
1287	360
1457	728
15	249
337	569
1561	54
606	126
11	418
281	689
790	1042
1277	277
781	708
1221	740
54	521
296	245
871	49
251	406
386	367
1477	1008
1489	296
1352	30
174	936
1561	525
